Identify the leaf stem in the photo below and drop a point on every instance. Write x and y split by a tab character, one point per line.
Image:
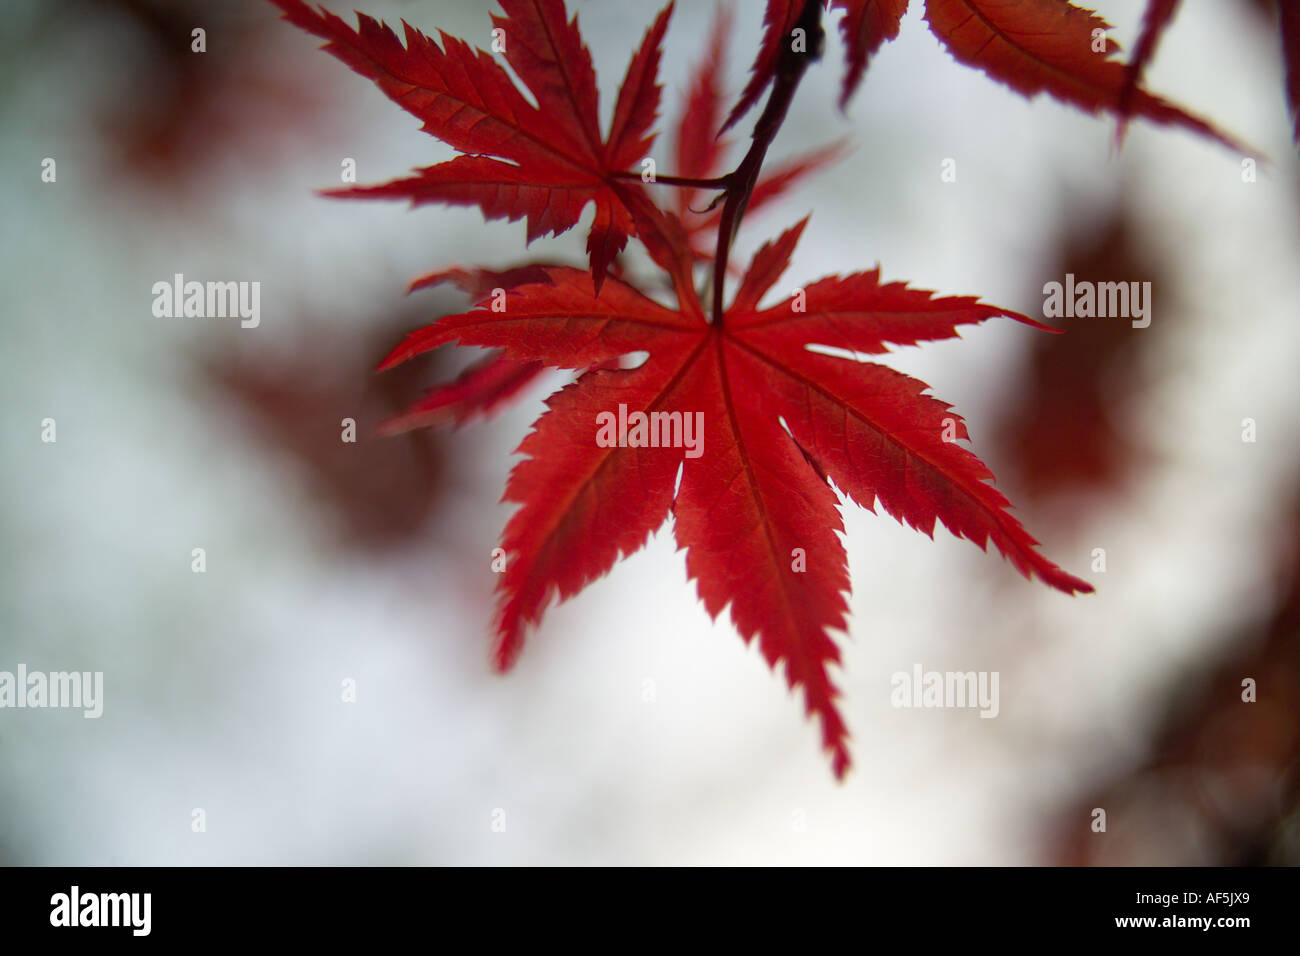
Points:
720	182
740	183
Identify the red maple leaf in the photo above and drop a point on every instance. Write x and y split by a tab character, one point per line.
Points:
541	163
772	422
734	424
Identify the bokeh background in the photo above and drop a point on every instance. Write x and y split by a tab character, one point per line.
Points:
634	729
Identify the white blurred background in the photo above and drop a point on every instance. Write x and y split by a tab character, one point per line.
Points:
370	562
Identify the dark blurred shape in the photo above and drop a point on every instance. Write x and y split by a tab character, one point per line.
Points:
182	112
1283	16
378	491
1063	432
1222	783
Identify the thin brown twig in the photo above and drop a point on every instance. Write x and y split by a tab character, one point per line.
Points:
738	185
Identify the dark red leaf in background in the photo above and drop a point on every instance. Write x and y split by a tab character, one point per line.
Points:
866	25
1289	17
1158	16
1046	46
